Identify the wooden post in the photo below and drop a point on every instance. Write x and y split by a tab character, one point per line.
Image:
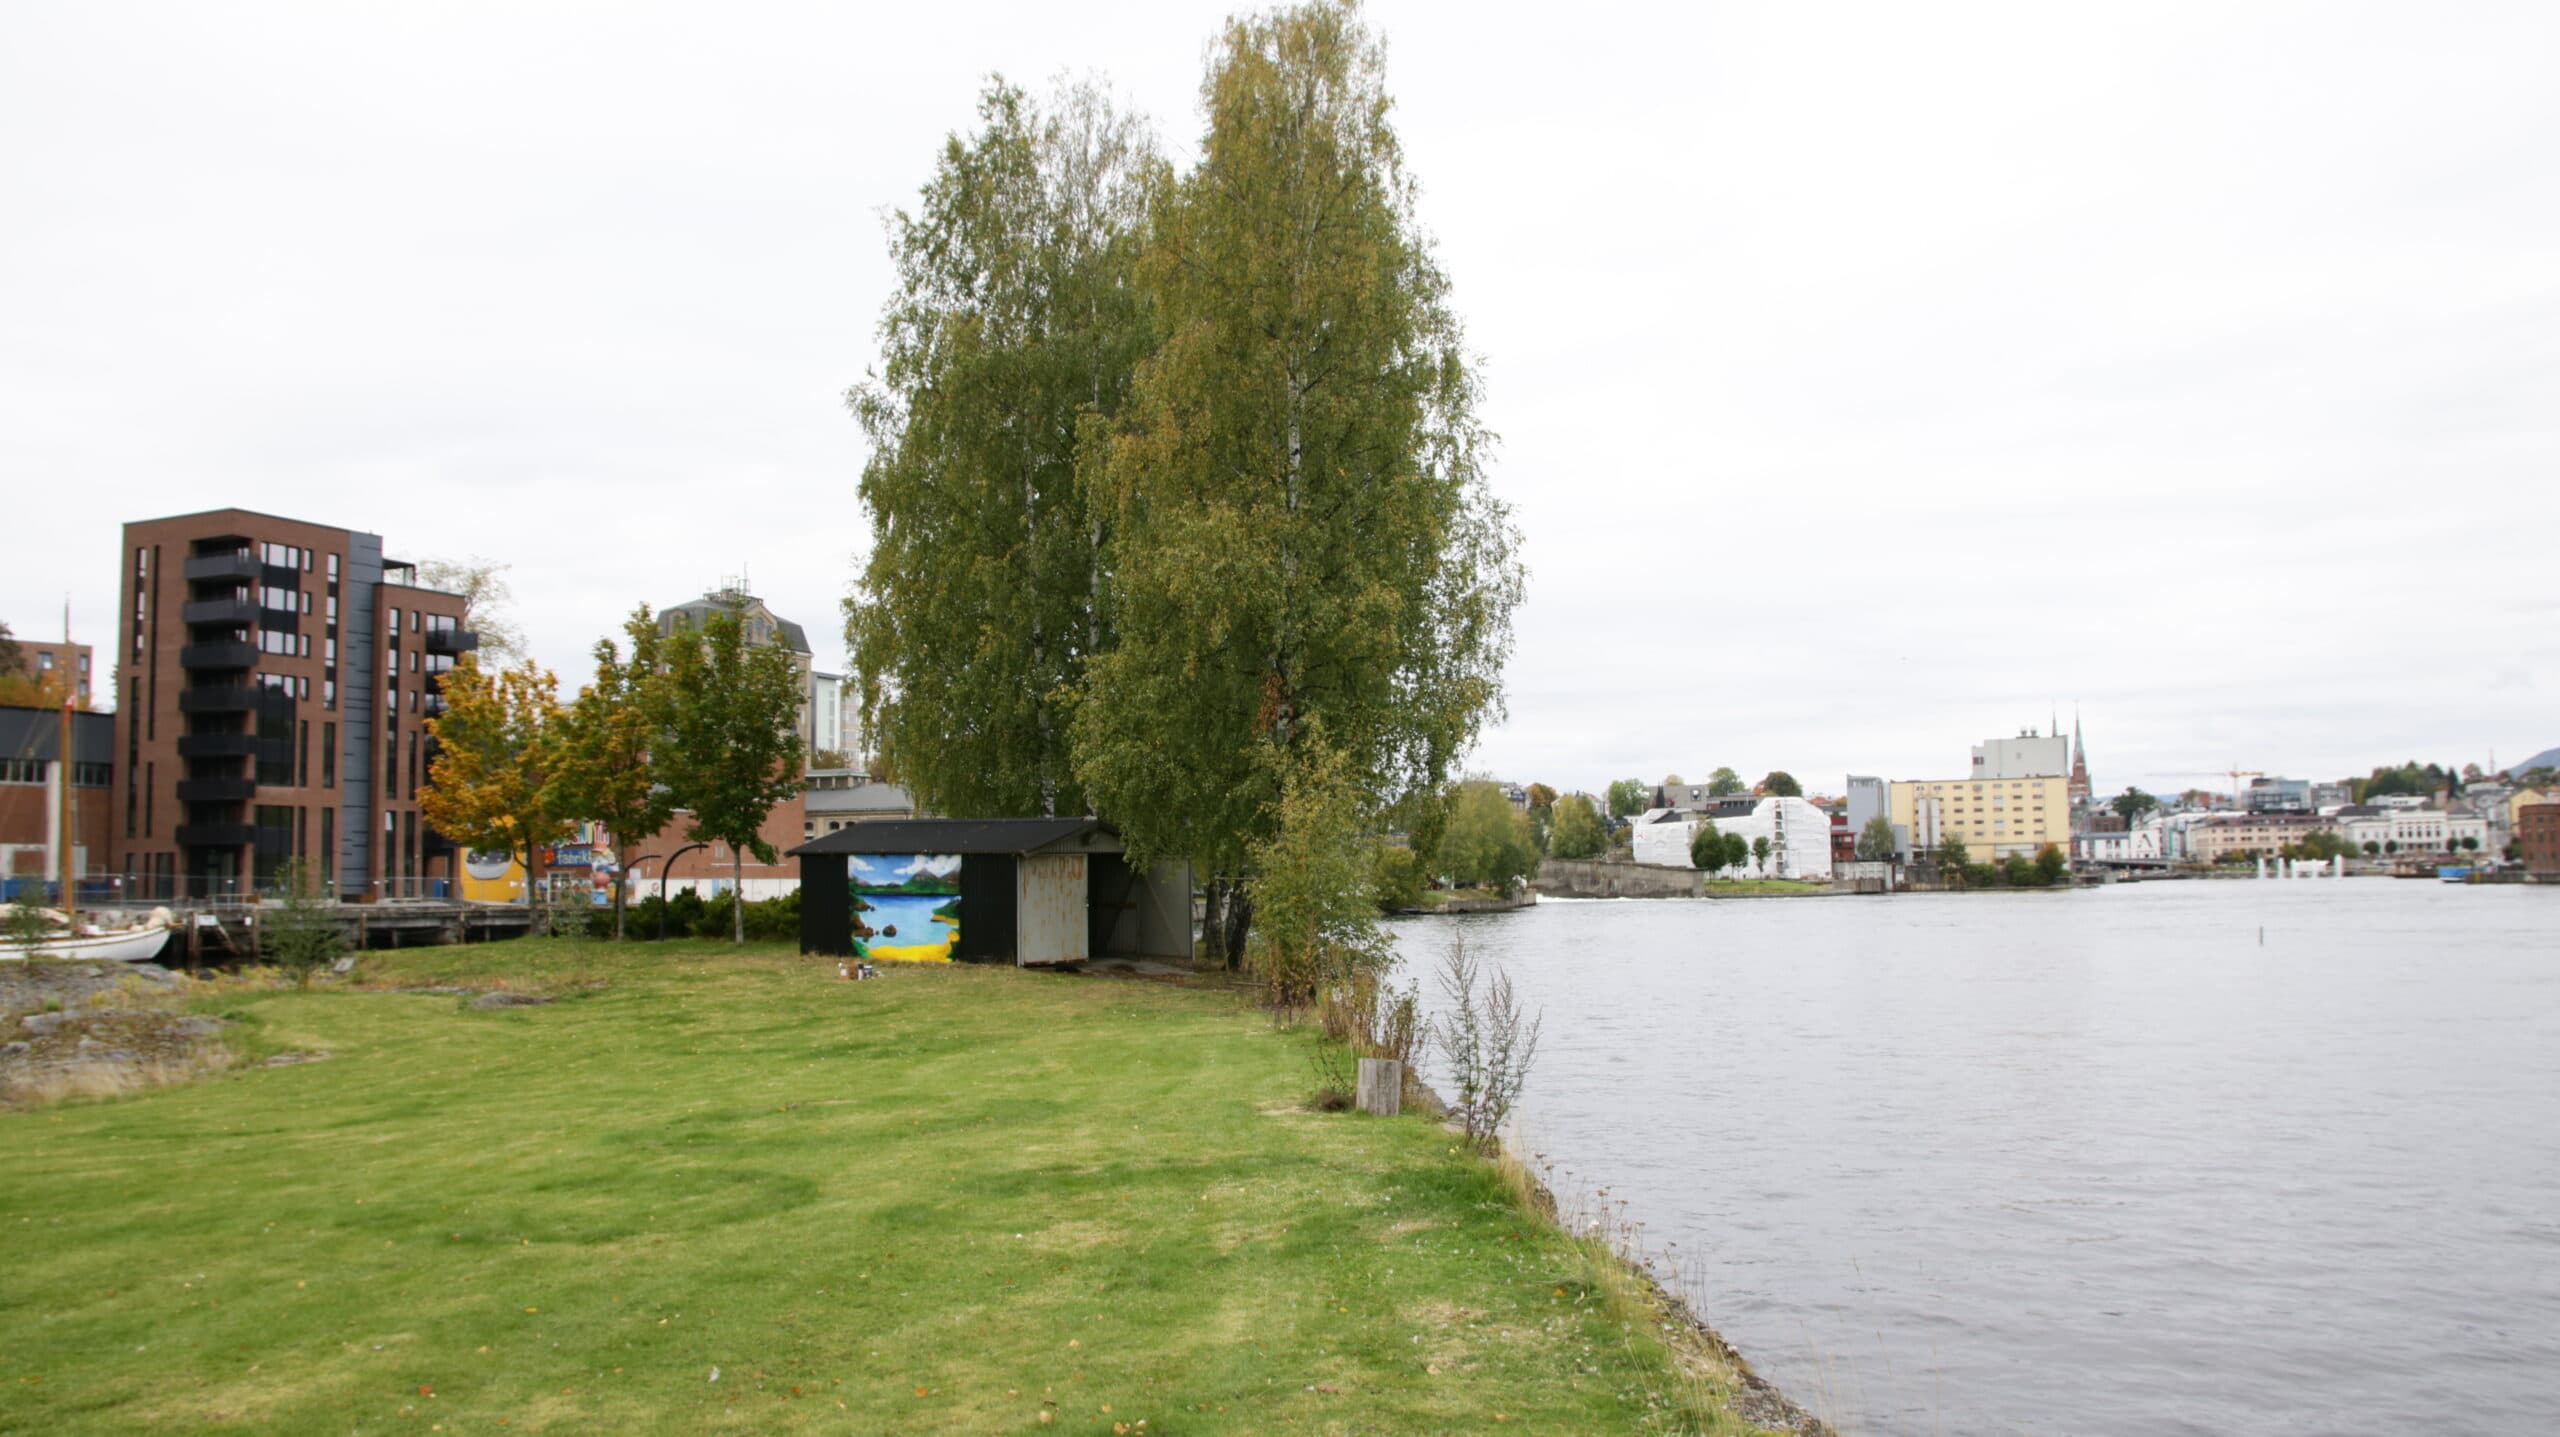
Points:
1381	1087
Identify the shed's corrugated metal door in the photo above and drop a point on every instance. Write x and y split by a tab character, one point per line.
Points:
1049	912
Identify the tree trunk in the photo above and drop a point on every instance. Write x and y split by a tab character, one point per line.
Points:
1236	922
621	886
738	895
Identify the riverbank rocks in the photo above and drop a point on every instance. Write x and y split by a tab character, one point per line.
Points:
127	1040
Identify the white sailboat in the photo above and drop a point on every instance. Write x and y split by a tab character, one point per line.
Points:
90	944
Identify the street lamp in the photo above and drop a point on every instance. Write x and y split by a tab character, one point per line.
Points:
663	871
622	875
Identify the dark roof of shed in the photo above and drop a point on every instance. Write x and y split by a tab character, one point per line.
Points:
952	835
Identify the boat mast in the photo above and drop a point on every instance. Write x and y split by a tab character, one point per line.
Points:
70	686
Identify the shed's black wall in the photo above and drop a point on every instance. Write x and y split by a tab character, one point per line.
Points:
986	909
826	907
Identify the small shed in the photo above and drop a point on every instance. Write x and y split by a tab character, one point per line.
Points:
1026	891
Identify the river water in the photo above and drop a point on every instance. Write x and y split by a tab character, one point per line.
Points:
2201	1157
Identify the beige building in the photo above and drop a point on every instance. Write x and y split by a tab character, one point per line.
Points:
2256	834
764	626
1995	817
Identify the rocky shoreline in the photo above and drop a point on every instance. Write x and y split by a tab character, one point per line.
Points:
98	1029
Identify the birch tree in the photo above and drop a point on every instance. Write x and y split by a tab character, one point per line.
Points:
1298	526
1015	319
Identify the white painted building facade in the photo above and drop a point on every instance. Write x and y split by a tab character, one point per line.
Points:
1799	835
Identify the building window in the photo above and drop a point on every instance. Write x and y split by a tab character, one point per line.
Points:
328	756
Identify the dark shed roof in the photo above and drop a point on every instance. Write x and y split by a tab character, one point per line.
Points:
957	835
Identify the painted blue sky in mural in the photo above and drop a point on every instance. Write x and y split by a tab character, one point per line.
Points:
892	870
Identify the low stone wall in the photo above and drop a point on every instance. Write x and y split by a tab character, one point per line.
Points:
1522	899
1592	878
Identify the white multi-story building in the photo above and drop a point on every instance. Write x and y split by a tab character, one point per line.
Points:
2029	755
2143	843
1798	831
826	712
2412	830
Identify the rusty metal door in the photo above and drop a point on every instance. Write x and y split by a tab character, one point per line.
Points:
1049	909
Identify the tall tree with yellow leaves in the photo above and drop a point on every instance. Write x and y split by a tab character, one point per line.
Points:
497	743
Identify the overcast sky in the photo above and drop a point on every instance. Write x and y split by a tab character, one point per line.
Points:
1873	379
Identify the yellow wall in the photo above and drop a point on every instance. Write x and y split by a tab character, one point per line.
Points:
1996	817
485	881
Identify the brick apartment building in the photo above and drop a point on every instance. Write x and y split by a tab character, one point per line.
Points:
2538	838
46	662
277	677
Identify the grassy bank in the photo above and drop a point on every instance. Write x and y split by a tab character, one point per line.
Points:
1761	887
955	1199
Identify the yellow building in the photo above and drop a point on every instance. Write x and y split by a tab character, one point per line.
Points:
1996	817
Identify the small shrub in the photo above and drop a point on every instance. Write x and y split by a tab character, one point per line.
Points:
1400	878
25	925
299	931
1487	1041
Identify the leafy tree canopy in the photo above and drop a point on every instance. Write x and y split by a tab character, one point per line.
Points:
1781	784
1626	797
2132	804
1875	841
732	746
1723	783
604	769
497	749
487	602
1017	320
2407	778
1297	522
1578	831
1706	846
1488	843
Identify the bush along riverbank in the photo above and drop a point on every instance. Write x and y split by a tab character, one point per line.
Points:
708	1186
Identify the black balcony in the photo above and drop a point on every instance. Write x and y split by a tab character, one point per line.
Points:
218	745
216	790
229	613
215	835
233	699
208	568
226	655
450	642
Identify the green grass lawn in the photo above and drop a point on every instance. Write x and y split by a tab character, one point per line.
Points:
951	1200
1741	887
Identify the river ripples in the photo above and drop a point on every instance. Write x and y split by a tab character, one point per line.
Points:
2170	1158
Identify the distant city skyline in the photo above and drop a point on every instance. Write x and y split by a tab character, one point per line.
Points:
1871	382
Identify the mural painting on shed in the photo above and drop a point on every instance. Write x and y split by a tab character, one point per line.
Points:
906	906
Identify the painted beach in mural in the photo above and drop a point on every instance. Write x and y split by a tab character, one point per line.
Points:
906	906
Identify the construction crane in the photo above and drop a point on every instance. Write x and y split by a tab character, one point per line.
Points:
2235	773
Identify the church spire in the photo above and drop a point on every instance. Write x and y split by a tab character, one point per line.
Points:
2080	788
